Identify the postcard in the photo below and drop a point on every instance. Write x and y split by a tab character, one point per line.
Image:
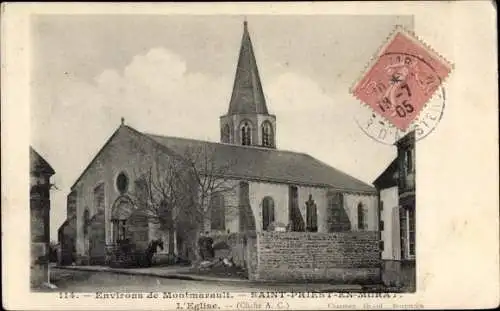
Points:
250	156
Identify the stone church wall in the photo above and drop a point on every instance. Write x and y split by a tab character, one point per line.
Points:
370	204
311	256
279	194
97	239
231	204
127	152
319	195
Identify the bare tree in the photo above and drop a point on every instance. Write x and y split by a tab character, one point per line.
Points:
177	193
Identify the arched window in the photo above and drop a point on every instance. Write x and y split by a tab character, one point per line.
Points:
225	134
311	215
246	133
267	134
267	212
361	217
217	212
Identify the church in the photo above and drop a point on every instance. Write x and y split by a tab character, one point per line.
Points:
269	189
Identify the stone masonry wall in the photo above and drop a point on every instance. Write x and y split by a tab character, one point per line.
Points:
230	245
343	257
240	246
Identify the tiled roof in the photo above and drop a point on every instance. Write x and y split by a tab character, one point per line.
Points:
247	96
265	164
389	177
39	164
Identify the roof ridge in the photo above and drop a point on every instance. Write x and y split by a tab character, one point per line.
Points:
227	144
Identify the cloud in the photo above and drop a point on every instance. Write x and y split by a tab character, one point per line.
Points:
311	120
156	93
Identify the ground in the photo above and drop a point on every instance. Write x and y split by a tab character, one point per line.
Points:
89	281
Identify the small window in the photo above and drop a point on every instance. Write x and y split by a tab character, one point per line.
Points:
407	232
122	183
246	134
267	134
381	225
409	160
225	134
382	245
403	230
267	212
361	217
381	206
411	227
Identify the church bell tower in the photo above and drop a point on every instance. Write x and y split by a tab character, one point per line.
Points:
247	121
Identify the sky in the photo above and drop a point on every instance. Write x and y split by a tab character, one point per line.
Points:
173	74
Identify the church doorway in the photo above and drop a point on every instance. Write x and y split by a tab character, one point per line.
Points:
128	224
120	213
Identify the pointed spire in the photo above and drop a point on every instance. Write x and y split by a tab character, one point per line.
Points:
248	96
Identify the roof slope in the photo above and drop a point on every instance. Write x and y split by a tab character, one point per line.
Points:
267	164
38	164
247	96
389	177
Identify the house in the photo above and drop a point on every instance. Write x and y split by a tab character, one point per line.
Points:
396	186
40	174
266	187
67	233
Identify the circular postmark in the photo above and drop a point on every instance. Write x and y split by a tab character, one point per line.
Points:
383	131
397	99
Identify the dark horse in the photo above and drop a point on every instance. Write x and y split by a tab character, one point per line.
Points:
152	249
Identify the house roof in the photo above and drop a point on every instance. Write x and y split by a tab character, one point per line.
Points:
66	222
389	177
254	163
38	164
248	96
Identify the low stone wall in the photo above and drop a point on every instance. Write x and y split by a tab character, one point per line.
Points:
233	246
241	246
344	257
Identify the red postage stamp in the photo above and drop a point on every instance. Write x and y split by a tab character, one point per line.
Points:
401	80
